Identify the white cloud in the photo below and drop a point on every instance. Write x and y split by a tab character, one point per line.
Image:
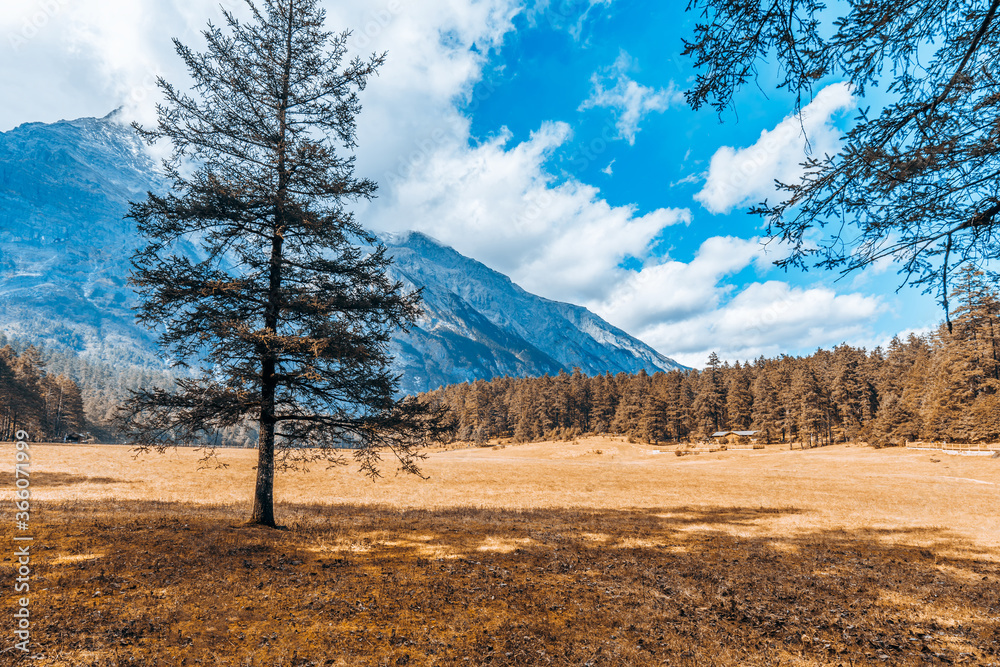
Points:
767	318
87	57
668	290
631	101
497	203
494	200
409	110
73	58
737	177
572	16
688	310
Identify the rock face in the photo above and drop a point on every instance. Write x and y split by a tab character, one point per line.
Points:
479	324
64	250
64	245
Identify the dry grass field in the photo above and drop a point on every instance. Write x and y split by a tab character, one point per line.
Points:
597	552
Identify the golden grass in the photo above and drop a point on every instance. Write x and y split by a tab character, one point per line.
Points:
544	553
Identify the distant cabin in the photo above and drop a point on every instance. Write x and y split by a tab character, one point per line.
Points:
735	437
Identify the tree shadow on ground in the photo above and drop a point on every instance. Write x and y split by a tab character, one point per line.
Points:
52	479
356	584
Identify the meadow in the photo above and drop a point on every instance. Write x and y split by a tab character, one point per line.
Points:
592	552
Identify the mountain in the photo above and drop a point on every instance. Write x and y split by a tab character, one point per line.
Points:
64	246
64	249
479	324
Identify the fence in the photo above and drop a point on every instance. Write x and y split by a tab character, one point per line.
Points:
957	448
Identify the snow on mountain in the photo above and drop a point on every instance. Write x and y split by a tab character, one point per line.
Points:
64	245
479	324
64	251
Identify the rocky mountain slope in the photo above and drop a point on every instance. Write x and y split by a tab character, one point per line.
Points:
64	249
64	245
479	324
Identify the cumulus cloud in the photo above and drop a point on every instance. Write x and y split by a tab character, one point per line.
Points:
494	199
497	203
87	57
767	318
690	309
73	58
630	101
669	290
436	53
737	177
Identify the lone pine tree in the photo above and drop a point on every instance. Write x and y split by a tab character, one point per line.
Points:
256	274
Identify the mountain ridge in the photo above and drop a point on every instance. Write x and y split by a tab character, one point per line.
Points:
572	336
65	244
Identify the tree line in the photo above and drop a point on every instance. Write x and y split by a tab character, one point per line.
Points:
51	393
940	386
45	405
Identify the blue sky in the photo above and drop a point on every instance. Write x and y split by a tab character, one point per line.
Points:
548	139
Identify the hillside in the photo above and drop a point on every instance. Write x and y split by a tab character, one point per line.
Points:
477	324
64	245
64	249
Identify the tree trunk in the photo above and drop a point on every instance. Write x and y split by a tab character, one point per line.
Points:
263	497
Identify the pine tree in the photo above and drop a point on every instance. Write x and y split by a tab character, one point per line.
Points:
563	408
739	399
675	405
956	403
285	313
956	380
652	426
811	404
848	392
9	393
975	320
894	423
543	408
766	406
985	418
63	406
579	401
629	411
604	402
913	386
28	399
783	379
709	403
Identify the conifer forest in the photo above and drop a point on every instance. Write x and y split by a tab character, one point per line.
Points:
939	386
31	399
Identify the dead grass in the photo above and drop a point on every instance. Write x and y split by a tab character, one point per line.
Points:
531	554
